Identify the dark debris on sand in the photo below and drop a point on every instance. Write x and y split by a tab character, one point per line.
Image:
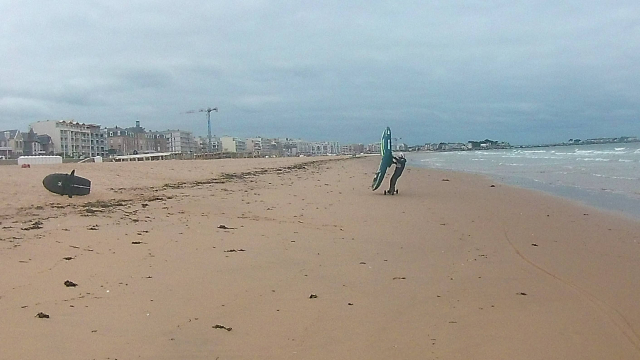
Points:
34	225
218	326
69	283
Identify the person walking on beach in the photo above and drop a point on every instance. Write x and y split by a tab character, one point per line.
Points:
400	162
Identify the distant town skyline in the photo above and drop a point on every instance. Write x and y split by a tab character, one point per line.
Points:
68	138
397	139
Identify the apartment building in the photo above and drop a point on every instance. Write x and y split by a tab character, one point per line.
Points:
135	140
98	144
158	141
254	146
373	148
203	144
316	148
352	149
72	139
260	146
181	141
272	147
121	141
233	144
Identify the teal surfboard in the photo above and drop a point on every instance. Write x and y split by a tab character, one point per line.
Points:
386	161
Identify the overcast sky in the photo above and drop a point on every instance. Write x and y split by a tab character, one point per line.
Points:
518	71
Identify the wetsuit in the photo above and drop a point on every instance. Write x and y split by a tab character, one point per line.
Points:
400	163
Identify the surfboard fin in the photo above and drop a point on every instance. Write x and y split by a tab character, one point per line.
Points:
68	183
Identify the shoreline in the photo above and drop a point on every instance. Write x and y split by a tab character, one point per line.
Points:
452	267
588	186
605	201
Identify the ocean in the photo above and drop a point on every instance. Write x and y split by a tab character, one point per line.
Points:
606	176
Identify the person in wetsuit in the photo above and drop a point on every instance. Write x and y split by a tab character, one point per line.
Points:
400	162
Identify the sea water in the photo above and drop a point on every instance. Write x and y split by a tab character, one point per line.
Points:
604	175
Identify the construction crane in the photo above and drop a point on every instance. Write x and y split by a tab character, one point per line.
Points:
208	111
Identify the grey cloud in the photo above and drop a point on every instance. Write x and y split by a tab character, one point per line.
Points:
523	71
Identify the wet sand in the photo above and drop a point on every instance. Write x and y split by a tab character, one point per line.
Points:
282	259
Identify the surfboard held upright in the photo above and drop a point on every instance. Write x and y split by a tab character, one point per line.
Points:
386	161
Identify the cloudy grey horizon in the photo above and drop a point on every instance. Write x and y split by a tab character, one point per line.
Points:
523	72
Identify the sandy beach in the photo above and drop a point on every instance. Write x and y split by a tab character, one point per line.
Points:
291	259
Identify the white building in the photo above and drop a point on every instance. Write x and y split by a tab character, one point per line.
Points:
352	149
203	144
71	138
373	148
303	147
325	148
316	148
254	146
181	141
233	144
260	146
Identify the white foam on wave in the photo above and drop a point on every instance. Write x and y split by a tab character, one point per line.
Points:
615	177
432	160
593	159
601	152
532	156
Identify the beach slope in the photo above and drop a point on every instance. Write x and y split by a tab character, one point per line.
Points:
290	259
